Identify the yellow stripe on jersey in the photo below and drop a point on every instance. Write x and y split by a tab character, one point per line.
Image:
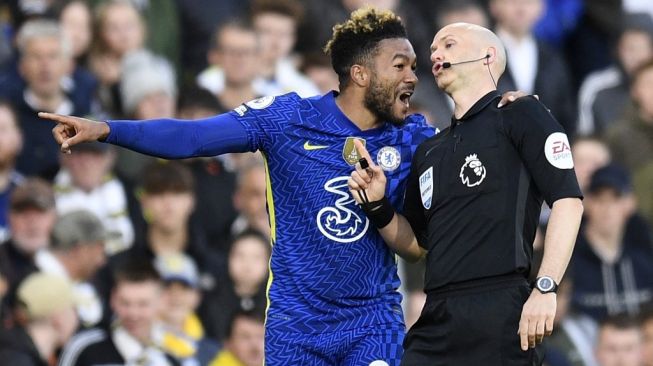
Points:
270	200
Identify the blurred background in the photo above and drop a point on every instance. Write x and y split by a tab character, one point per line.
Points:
174	254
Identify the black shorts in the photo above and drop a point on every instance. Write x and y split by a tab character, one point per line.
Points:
473	326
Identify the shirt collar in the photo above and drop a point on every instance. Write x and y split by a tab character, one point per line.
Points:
479	105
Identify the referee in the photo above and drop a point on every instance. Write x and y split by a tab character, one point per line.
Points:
473	201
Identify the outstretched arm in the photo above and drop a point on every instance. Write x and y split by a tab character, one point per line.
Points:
367	186
165	138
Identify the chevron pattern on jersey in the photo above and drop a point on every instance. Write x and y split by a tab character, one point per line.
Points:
331	269
356	347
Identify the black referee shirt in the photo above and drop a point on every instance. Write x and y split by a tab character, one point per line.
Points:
475	190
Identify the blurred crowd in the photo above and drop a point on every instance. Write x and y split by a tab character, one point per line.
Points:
109	256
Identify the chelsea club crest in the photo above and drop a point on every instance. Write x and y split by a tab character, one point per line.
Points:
388	158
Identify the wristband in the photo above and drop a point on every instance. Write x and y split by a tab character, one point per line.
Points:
380	212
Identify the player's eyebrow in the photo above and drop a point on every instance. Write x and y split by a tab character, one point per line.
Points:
403	56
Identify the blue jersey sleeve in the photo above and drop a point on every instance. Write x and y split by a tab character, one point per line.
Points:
177	139
265	118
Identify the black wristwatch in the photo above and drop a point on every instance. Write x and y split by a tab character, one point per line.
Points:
545	284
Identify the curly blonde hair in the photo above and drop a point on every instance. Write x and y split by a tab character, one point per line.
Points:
355	41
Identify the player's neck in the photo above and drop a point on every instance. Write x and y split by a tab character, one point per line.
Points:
351	105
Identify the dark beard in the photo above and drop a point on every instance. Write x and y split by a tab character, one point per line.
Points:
379	99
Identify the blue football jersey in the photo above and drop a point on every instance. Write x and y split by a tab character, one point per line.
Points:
330	269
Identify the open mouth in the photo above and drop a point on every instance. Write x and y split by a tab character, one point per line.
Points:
404	97
437	67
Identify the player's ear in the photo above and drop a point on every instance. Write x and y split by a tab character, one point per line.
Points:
359	75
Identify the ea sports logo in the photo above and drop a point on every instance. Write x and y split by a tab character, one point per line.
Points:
472	173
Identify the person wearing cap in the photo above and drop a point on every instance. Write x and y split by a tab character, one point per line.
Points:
46	321
76	253
11	141
31	218
136	336
611	265
86	181
183	330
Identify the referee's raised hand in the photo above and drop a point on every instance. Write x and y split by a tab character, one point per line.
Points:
71	131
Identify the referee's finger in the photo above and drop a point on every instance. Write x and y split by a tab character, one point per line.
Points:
548	330
540	331
532	326
523	333
359	179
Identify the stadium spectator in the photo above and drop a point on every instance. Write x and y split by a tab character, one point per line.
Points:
631	140
317	67
604	95
619	342
533	67
236	52
136	336
86	182
466	11
119	30
250	199
242	287
214	183
590	153
184	333
244	345
47	320
11	141
161	22
167	199
611	266
76	22
76	253
147	90
43	68
199	20
589	46
31	218
276	22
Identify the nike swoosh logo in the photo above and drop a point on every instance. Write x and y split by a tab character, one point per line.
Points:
309	147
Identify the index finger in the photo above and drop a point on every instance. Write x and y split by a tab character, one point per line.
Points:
363	151
56	118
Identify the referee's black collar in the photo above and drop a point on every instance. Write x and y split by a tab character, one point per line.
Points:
479	105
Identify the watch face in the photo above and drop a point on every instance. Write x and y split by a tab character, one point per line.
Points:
545	284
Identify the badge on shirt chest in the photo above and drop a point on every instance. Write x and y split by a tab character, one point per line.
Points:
426	187
349	152
388	158
473	172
